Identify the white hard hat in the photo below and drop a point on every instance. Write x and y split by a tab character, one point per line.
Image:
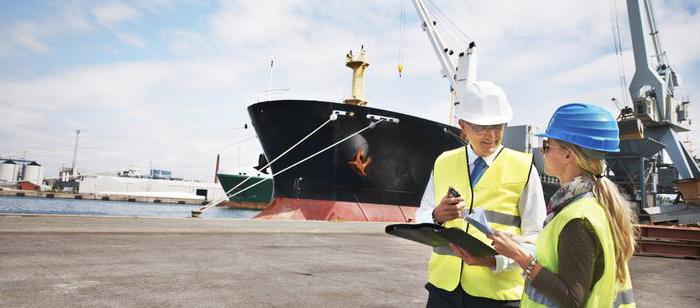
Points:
483	103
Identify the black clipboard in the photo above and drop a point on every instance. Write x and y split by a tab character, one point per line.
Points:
438	236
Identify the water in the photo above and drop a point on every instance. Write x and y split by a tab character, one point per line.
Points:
28	205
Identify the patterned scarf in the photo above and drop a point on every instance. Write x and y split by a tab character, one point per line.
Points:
567	193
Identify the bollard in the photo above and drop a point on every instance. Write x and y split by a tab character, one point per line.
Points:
197	212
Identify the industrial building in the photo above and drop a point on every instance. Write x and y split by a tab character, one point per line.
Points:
149	187
14	171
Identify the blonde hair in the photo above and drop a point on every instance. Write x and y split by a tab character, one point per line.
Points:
621	217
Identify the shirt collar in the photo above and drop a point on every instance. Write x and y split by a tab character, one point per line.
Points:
471	156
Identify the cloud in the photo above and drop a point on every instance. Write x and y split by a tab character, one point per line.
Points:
131	39
28	35
129	101
675	25
249	22
4	49
187	43
36	36
113	13
156	6
104	85
200	73
600	70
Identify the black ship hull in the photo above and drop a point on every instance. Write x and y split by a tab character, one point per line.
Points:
389	164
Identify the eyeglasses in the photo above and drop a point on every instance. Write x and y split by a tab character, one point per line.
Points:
546	146
480	129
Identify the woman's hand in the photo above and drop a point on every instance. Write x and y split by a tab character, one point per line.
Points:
506	246
472	260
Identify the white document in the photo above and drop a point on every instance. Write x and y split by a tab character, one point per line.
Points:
478	219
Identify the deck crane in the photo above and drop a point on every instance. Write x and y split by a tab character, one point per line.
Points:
461	75
653	89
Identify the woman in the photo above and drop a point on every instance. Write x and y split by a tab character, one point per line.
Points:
588	238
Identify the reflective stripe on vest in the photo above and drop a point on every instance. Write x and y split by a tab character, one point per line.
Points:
625	294
624	298
606	292
535	296
497	192
491	216
503	219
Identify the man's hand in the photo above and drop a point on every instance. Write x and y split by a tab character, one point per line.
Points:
448	208
472	260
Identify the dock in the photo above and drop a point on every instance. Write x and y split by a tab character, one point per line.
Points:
91	196
69	261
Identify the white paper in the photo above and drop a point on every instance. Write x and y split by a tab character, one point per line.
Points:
478	219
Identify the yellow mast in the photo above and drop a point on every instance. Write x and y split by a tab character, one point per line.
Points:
358	65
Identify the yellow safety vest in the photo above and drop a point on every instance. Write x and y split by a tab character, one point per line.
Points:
497	192
606	292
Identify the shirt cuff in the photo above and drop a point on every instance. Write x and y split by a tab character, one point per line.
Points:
502	264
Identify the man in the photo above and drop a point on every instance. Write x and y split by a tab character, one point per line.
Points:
502	182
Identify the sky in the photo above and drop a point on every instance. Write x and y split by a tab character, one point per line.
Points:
166	84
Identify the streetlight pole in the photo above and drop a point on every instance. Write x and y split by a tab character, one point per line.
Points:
75	152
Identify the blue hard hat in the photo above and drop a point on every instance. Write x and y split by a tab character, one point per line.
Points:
585	125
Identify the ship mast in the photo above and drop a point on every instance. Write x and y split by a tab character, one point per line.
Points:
459	76
358	64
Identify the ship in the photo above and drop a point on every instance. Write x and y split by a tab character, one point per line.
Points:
242	191
350	162
377	175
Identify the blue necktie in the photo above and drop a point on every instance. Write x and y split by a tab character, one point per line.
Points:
479	168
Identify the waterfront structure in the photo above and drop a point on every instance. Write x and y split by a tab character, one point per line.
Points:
33	173
148	187
13	171
8	171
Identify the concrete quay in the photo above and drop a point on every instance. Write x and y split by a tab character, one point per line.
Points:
90	196
83	261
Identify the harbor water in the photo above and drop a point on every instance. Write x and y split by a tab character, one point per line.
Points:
28	205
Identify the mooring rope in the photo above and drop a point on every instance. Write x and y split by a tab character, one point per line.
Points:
371	125
331	118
